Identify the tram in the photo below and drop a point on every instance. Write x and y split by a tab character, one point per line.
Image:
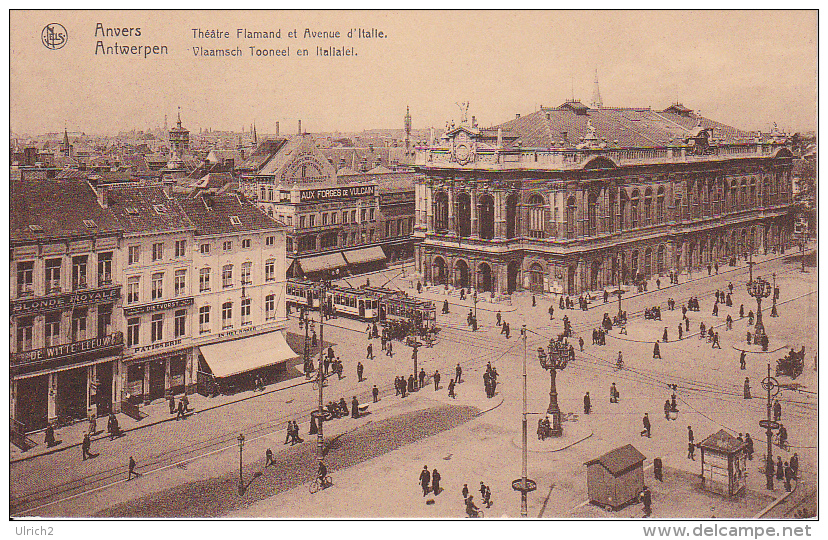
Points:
363	303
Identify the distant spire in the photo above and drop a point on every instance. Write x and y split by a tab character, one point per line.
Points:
596	93
179	117
255	138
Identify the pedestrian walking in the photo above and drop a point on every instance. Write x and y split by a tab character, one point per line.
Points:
354	407
289	432
666	409
85	446
458	371
498	318
180	414
788	476
370	352
587	404
388	350
691	446
749	445
425	479
171	403
533	301
743	360
647	427
551	312
508	330
747	388
269	458
375	393
451	389
50	436
777	410
359	369
93	424
647	500
656	350
327	364
436	378
581	343
680	331
465	491
658	469
716	344
795	465
435	482
664	335
132	471
314	341
613	394
780	469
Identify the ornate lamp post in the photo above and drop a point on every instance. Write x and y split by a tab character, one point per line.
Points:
759	288
555	359
241	478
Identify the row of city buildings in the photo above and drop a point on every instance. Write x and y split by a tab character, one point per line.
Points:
124	294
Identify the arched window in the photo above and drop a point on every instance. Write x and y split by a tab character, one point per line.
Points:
634	265
441	222
511	215
611	218
660	205
648	207
463	215
623	210
536	218
570	218
634	218
592	214
486	217
648	262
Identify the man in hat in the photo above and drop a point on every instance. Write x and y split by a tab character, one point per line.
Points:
647	427
425	479
587	404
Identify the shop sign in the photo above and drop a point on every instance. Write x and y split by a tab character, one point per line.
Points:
161	345
69	349
65	301
336	193
158	306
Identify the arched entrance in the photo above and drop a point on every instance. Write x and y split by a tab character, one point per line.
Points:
536	278
511	215
439	271
595	281
648	262
660	260
634	266
512	275
461	274
570	280
486	217
464	215
484	277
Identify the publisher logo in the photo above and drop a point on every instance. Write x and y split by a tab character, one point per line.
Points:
54	36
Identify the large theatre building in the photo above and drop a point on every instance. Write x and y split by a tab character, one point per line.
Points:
573	198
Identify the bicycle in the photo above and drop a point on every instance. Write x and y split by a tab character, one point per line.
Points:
316	486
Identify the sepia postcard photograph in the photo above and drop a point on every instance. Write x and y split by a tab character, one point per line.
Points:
433	264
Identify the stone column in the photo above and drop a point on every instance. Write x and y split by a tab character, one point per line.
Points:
475	226
146	395
522	217
118	380
429	204
452	221
52	405
92	389
499	215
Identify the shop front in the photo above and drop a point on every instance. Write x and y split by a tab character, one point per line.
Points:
233	366
156	377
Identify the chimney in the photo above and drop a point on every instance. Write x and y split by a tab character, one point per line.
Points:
474	121
517	115
277	128
103	196
300	127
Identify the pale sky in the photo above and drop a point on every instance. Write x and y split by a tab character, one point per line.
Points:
743	68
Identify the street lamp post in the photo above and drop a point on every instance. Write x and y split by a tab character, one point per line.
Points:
241	477
618	292
555	359
772	386
474	297
759	288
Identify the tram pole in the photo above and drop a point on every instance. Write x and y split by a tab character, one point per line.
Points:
769	435
320	381
524	505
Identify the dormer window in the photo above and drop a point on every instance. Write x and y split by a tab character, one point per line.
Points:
36	228
235	220
90	224
131	210
159	208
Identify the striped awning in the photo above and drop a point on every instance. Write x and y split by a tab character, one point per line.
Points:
365	255
329	261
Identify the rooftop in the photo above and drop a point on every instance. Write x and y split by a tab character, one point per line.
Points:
619	460
215	214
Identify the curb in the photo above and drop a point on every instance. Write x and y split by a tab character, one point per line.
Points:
570	445
775	503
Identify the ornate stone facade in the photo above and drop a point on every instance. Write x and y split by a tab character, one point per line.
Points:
573	199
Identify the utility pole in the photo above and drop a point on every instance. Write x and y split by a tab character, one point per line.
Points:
306	350
320	380
474	326
769	434
241	475
524	484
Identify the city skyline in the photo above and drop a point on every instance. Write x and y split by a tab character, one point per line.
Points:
448	57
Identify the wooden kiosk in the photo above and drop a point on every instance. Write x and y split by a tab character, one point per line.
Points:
723	463
616	478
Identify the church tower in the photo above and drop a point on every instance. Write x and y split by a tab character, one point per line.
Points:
408	151
179	138
596	93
